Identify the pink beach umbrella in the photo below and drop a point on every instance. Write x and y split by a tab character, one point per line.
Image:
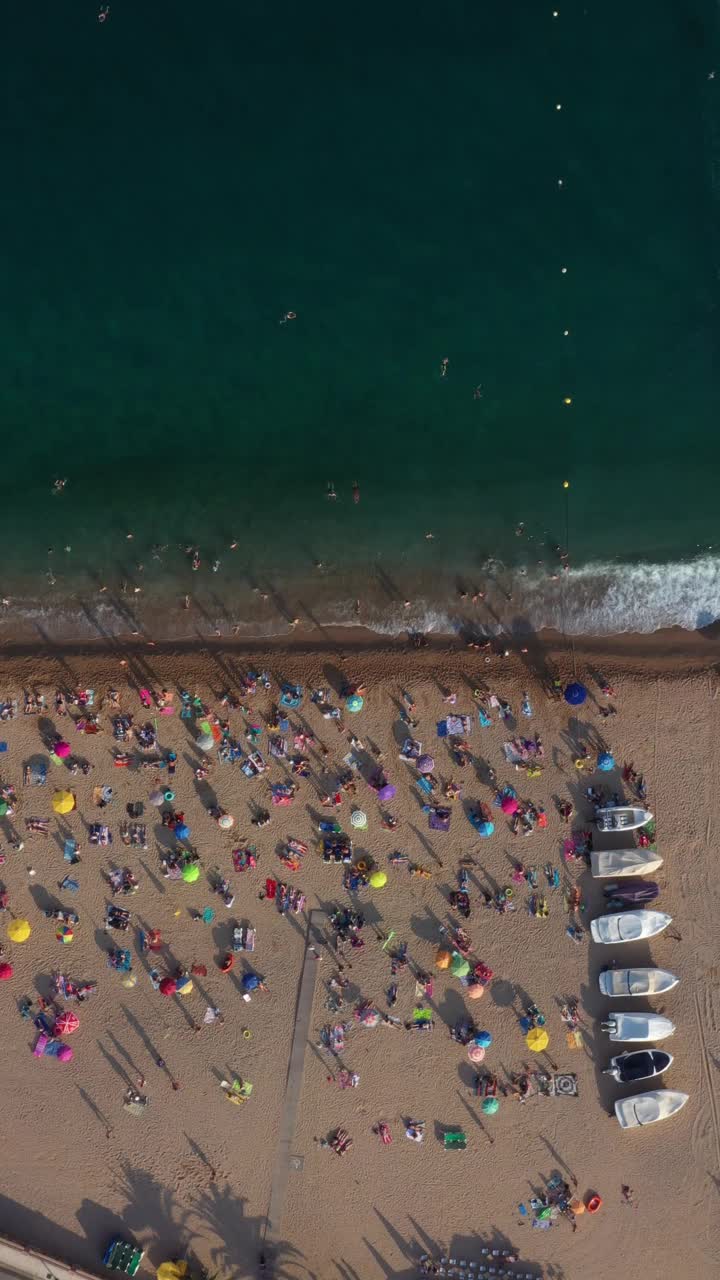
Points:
509	804
476	1053
168	987
61	749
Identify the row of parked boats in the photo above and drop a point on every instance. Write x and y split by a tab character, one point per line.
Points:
632	926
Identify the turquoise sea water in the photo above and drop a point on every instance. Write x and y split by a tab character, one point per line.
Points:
180	177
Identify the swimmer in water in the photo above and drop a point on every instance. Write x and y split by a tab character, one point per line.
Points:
356	491
331	494
195	560
444	366
289	315
59	485
215	566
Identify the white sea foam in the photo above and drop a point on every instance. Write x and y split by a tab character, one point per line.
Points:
594	599
608	599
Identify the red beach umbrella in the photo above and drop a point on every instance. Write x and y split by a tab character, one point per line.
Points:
66	1023
168	987
6	971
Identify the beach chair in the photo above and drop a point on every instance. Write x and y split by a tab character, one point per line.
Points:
454	1140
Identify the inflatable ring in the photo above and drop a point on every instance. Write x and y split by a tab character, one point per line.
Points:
361	866
247	1033
169	795
508	893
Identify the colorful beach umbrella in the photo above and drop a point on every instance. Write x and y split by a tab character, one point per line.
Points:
442	958
509	804
575	693
191	873
62	749
66	1023
182	831
354	703
484	1038
19	930
63	802
606	762
388	792
184	986
537	1039
476	1053
490	1106
167	986
425	764
6	971
475	991
65	1053
226	821
65	934
358	819
378	880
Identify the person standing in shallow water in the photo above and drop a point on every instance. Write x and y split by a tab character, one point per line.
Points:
356	491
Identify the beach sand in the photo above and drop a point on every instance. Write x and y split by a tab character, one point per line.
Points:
198	1172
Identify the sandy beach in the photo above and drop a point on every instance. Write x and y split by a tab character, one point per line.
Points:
195	1172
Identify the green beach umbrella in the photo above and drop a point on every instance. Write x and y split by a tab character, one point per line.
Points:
490	1106
459	966
191	873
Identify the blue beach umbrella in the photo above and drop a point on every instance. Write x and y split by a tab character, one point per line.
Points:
250	982
354	703
575	693
182	831
484	1039
606	762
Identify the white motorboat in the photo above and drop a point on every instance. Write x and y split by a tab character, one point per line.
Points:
623	862
647	1108
629	926
622	818
636	982
638	1026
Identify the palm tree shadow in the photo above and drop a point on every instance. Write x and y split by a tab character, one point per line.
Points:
241	1239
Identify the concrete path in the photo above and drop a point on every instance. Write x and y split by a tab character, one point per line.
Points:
303	1013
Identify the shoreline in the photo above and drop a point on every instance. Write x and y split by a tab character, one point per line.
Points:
540	655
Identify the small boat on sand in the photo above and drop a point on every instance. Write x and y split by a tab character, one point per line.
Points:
622	818
623	862
636	982
647	1108
629	926
638	1026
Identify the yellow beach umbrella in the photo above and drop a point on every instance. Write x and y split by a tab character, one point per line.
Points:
172	1270
63	802
19	930
537	1039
